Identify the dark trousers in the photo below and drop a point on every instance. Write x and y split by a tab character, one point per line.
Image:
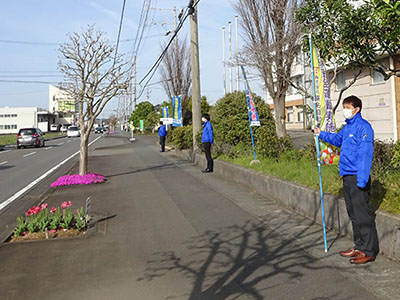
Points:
362	216
162	143
207	150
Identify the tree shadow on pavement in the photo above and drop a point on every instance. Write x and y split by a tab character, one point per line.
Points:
155	167
237	260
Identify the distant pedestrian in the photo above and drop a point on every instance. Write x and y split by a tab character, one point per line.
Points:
208	140
162	133
356	140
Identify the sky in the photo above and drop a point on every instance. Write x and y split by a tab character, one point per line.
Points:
32	30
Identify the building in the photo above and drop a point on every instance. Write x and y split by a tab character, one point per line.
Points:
63	105
381	99
12	119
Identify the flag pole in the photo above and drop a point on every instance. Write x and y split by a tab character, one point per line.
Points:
247	87
317	143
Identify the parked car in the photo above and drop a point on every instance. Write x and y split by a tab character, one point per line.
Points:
64	128
100	129
53	127
30	137
73	131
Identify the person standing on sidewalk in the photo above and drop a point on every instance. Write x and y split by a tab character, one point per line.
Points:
356	140
207	139
162	133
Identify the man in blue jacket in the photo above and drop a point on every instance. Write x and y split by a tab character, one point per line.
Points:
356	140
207	139
162	133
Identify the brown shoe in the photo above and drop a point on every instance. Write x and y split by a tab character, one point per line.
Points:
361	258
350	253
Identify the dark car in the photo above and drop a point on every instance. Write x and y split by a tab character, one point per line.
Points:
100	129
30	137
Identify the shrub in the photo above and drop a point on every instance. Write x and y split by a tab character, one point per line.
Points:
382	160
396	155
182	137
231	127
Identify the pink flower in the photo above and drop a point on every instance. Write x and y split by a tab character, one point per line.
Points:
29	212
43	206
53	209
53	231
35	210
66	204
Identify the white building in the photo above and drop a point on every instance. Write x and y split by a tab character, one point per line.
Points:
62	105
12	119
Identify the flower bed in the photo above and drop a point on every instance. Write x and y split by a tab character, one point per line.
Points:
79	179
41	223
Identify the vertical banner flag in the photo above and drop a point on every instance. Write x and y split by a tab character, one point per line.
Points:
317	109
177	111
165	112
254	119
141	125
325	118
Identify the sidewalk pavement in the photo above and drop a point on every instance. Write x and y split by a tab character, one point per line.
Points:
169	231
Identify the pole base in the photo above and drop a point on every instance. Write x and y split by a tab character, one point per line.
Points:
254	162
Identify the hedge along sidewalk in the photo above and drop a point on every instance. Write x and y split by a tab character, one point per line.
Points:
304	201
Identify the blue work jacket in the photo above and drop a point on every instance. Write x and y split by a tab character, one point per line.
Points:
162	131
356	140
208	135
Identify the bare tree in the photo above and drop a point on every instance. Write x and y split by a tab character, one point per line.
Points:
113	122
175	72
272	38
93	75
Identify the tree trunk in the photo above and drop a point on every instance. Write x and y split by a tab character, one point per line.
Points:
84	149
279	104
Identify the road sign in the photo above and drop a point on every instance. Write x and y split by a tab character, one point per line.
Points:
167	121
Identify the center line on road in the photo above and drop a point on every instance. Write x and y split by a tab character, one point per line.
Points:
60	144
29	154
3	163
36	181
5	151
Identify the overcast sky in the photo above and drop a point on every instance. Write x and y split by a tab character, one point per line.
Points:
41	25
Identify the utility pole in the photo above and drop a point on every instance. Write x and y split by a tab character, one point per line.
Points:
223	59
134	82
237	53
230	58
194	53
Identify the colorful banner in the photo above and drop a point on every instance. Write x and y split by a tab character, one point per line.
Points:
177	111
165	112
253	114
141	125
325	118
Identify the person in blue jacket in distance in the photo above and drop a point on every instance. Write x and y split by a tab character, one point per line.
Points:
356	140
207	139
162	133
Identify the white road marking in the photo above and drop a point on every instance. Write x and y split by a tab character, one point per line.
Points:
5	151
49	147
60	144
36	181
3	163
29	154
69	141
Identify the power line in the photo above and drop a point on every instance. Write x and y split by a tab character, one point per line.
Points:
120	29
29	43
28	81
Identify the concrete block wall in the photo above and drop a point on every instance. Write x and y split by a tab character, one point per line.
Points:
305	201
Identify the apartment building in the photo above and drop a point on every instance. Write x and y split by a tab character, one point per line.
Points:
63	105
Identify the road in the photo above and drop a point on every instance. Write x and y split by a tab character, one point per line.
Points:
20	167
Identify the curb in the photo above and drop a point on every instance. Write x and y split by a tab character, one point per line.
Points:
304	201
49	139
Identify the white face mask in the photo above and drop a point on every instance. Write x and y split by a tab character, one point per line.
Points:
347	113
204	120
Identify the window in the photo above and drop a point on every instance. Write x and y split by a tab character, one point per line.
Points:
13	126
300	114
1	116
7	116
290	115
14	115
340	81
7	126
377	77
1	126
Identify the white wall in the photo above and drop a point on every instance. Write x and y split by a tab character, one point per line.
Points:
25	117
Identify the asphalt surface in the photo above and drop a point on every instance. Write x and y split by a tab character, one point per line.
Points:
168	231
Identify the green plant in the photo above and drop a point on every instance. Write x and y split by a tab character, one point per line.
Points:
32	224
80	221
43	220
383	154
182	137
396	155
21	226
67	219
56	219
